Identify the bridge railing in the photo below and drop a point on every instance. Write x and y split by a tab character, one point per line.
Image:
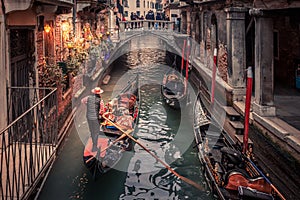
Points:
146	25
29	142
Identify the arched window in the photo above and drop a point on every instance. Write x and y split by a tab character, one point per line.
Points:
138	3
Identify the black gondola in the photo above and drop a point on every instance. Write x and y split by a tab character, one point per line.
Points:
230	173
174	89
124	111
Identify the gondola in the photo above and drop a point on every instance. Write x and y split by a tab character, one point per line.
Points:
229	172
174	89
124	111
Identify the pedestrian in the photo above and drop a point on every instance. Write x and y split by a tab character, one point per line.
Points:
142	21
152	17
167	18
132	18
93	102
118	19
158	18
147	17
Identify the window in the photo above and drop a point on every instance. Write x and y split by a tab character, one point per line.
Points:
138	3
126	14
144	4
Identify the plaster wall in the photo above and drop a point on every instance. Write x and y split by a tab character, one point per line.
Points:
145	6
11	5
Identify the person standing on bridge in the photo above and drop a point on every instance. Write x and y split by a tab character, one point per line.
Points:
132	18
150	16
93	114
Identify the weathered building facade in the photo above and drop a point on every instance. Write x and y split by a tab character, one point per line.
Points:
140	7
25	45
261	34
36	35
38	66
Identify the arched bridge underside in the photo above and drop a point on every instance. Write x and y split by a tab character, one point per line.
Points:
169	40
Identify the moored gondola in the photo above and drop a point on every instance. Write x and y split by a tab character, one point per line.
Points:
112	142
174	89
230	173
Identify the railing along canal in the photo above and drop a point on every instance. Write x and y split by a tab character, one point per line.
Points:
29	142
146	25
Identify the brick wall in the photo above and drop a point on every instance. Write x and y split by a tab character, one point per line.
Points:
222	62
40	47
58	36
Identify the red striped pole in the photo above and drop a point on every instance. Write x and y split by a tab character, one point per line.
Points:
247	108
213	78
187	60
187	66
182	55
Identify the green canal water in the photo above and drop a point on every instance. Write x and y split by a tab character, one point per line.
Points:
164	131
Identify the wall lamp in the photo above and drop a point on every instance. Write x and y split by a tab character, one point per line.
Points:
47	28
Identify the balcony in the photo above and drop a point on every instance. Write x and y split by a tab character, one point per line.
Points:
28	144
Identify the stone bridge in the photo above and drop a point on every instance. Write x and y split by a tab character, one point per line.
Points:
138	30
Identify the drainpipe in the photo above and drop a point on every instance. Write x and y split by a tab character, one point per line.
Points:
3	71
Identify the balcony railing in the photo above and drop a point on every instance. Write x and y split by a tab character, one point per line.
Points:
29	142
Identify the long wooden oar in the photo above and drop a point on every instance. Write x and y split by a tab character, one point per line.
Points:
189	181
262	174
115	141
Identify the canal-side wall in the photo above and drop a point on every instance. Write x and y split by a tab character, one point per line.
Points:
283	135
219	25
66	122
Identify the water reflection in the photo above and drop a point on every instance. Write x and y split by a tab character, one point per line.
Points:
164	131
158	128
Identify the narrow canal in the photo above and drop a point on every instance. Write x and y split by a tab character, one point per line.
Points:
165	131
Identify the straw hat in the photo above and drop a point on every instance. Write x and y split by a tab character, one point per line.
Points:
97	90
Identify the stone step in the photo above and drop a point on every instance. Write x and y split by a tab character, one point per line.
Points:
240	140
232	113
238	126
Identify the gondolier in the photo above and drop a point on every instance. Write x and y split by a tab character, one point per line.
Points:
174	89
113	140
93	103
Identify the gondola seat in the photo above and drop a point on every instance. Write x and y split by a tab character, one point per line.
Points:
233	156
